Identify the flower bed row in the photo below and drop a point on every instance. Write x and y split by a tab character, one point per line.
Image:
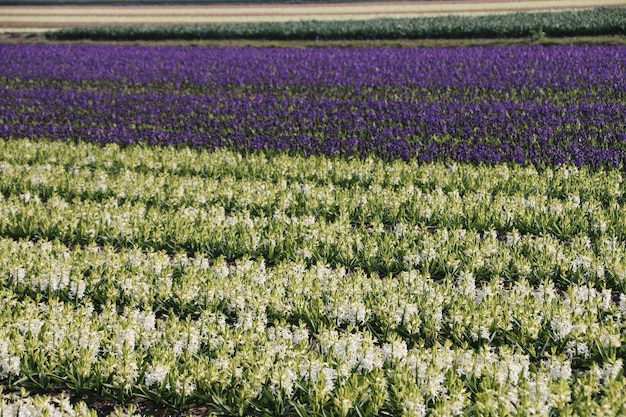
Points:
525	105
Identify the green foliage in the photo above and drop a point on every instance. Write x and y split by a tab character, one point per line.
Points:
596	22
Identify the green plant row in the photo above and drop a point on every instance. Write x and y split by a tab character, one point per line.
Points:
321	213
595	22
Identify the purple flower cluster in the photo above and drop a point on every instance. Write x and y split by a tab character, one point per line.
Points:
537	105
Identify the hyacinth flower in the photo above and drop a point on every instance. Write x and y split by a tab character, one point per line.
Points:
525	105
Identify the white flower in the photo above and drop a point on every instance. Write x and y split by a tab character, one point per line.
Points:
539	393
8	364
329	376
396	350
185	387
18	275
316	372
77	289
414	408
609	371
561	327
457	404
622	304
466	284
511	368
559	369
309	369
433	386
156	375
178	347
574	348
300	334
610	340
370	360
283	378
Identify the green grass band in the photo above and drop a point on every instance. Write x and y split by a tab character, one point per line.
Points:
594	22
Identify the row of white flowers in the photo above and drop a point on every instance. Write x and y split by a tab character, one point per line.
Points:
247	290
564	202
24	405
377	229
285	285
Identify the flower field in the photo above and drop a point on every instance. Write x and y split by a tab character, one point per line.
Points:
317	232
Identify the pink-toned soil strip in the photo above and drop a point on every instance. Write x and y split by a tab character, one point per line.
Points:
65	16
436	5
322	13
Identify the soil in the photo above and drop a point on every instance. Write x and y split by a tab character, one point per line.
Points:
24	18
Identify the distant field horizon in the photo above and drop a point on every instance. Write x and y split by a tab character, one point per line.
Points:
38	18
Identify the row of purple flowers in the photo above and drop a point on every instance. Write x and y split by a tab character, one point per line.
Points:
539	105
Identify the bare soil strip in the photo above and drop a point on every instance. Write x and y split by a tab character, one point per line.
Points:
417	6
62	21
49	17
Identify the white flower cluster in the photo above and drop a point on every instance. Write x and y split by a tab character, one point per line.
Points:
22	405
9	364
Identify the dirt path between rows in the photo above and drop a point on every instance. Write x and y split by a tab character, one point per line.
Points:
37	18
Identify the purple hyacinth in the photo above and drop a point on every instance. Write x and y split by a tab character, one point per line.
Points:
533	104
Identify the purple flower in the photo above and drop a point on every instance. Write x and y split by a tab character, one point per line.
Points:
537	105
